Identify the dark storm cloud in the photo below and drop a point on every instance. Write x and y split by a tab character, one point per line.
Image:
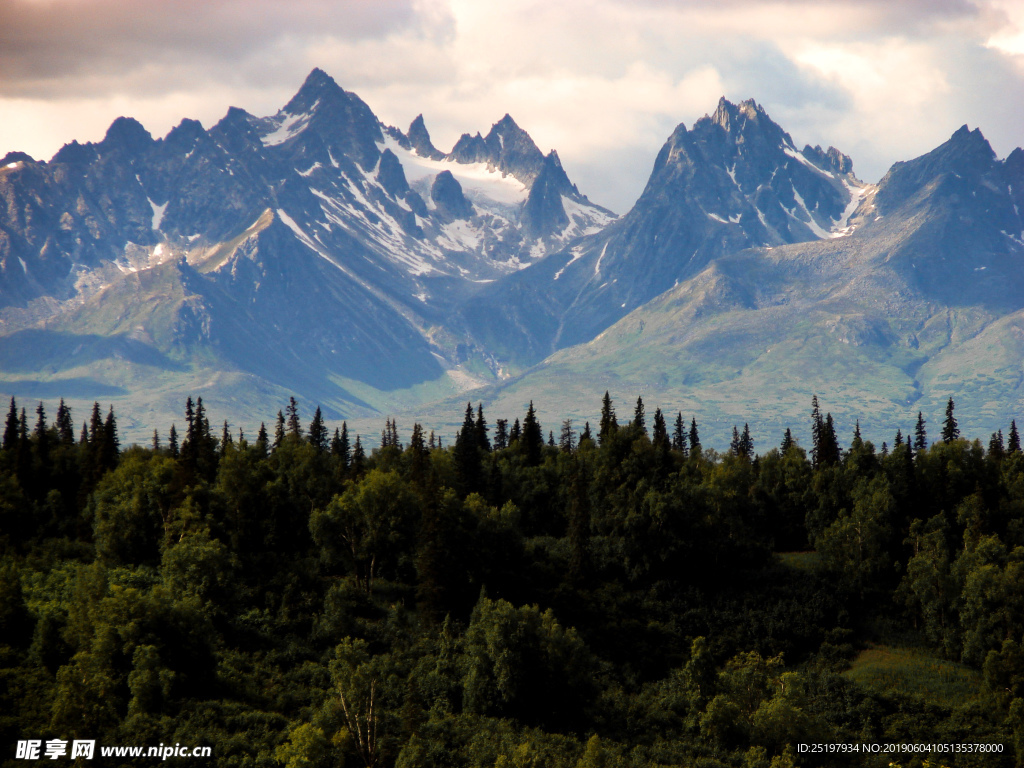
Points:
78	47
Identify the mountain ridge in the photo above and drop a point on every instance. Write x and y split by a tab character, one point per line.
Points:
322	253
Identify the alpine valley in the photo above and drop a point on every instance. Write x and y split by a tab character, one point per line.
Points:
322	254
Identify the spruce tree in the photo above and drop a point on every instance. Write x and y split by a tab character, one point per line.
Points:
41	435
11	429
188	443
279	431
65	426
532	440
190	419
225	438
746	442
358	458
24	451
466	454
829	452
885	448
585	434
639	419
608	421
500	434
343	448
950	431
292	414
156	441
734	444
679	434
898	440
694	436
419	456
262	439
817	424
659	434
551	438
318	432
96	437
787	441
995	445
567	438
483	442
1013	443
920	436
516	433
111	442
172	442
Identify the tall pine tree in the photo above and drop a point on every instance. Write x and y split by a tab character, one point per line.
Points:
679	434
318	432
532	441
608	421
920	435
639	417
950	430
11	429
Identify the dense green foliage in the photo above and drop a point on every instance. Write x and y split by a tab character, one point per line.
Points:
628	598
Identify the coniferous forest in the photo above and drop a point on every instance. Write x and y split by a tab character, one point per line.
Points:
611	595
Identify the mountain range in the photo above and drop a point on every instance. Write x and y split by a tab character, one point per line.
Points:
321	253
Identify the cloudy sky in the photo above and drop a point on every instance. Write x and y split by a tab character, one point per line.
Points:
602	81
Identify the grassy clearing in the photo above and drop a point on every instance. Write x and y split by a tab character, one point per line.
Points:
800	561
889	669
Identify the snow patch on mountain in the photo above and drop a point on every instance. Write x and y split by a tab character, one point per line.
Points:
158	214
800	158
479	182
584	219
286	125
842	227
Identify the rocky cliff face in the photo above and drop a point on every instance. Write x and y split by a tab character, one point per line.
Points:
329	236
922	301
735	180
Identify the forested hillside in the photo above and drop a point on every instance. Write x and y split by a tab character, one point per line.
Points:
610	595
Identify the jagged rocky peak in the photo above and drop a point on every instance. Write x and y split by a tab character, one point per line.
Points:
470	149
745	123
317	86
544	212
184	135
238	131
507	148
391	175
74	153
966	156
419	140
446	192
128	134
514	151
727	113
831	158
